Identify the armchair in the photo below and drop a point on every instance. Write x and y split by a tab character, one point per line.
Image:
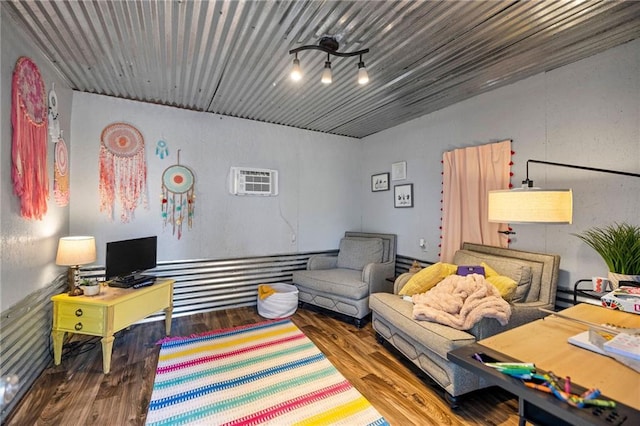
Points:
344	282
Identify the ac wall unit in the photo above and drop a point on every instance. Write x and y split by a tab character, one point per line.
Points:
250	181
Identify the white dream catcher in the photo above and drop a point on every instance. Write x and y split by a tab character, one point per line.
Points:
178	196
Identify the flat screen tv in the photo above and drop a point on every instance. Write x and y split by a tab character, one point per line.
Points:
126	259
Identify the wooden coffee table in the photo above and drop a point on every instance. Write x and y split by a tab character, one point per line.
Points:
544	342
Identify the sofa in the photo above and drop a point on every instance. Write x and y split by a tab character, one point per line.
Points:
426	344
342	283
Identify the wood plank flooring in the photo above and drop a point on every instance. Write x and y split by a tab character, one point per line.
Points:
77	393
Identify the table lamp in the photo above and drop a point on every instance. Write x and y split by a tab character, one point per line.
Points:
73	252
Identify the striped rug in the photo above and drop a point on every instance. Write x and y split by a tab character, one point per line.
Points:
265	373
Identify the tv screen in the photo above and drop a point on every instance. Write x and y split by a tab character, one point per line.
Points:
127	258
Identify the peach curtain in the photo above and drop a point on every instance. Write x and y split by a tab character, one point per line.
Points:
468	175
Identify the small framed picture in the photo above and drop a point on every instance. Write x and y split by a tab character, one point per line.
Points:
380	182
399	170
403	195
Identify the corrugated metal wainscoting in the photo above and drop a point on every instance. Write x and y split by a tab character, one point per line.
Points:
201	285
25	331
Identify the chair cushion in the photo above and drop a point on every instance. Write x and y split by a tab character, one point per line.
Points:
356	253
341	282
425	279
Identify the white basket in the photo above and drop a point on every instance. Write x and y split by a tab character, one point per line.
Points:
283	303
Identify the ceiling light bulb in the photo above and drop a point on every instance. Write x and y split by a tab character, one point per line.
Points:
296	72
326	74
363	77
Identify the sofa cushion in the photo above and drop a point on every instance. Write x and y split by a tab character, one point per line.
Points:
356	253
425	279
505	285
517	270
437	337
341	282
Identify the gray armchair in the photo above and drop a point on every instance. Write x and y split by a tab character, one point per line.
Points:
344	282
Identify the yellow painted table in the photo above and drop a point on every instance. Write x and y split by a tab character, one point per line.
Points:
107	313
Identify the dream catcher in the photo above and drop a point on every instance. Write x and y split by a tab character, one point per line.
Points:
54	123
178	196
162	150
60	153
61	173
29	139
123	169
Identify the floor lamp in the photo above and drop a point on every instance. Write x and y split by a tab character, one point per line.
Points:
535	205
73	252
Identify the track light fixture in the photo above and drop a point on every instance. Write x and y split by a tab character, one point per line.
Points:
329	45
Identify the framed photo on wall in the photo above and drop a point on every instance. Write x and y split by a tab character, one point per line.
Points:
380	182
403	195
399	170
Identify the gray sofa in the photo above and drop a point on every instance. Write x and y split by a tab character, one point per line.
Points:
426	343
344	282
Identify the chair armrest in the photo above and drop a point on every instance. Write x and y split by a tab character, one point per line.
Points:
376	274
522	313
322	261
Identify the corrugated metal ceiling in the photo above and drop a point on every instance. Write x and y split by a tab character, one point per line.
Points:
231	57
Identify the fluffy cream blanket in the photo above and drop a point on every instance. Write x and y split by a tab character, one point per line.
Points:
460	302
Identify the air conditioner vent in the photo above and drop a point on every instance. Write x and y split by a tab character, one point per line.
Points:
251	181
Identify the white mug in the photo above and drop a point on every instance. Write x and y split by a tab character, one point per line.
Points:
600	284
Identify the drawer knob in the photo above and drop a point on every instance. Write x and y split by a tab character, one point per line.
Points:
79	313
78	326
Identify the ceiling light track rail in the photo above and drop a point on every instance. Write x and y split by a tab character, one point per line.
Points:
329	51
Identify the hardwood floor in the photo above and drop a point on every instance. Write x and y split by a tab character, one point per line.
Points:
78	393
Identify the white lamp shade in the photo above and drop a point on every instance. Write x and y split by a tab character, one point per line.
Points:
530	205
296	71
74	251
326	78
363	77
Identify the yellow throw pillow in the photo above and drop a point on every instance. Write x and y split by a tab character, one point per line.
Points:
427	278
505	285
488	270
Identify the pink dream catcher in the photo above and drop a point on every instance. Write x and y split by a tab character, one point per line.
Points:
123	170
178	196
29	140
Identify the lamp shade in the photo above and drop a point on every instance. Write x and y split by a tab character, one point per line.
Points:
74	251
531	205
296	71
363	76
326	77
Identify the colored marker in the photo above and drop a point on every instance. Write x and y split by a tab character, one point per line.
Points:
537	387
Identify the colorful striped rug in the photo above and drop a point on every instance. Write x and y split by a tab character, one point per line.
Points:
265	373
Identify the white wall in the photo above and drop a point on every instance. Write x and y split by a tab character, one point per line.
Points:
319	178
27	247
586	113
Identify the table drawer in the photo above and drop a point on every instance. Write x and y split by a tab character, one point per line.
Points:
80	318
81	325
